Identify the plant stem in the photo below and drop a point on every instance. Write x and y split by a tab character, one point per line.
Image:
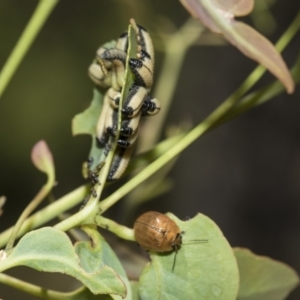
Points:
32	29
48	213
44	191
38	291
119	230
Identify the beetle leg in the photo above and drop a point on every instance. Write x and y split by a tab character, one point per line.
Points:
90	161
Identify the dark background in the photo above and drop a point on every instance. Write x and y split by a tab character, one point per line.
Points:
244	175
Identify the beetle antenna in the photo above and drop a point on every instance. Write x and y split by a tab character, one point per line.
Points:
197	241
174	261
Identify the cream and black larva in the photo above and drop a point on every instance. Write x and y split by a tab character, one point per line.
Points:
108	71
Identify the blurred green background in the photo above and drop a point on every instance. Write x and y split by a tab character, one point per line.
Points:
245	175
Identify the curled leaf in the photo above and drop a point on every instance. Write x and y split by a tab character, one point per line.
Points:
219	15
41	157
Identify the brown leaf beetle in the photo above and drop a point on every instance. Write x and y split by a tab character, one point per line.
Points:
157	232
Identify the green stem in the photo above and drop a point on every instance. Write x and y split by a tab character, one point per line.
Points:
29	288
48	213
259	97
32	29
40	292
29	209
143	159
119	230
78	218
289	34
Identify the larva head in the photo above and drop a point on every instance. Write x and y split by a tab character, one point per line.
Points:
156	232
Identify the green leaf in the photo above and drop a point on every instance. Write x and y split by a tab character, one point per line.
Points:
85	122
94	256
50	250
263	278
131	53
84	294
202	270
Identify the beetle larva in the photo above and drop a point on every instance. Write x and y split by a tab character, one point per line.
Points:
147	51
126	142
101	134
122	42
119	164
114	98
128	126
143	75
134	101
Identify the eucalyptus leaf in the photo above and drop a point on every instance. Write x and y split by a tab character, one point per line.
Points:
42	158
219	16
85	122
262	278
84	294
50	250
202	270
95	257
